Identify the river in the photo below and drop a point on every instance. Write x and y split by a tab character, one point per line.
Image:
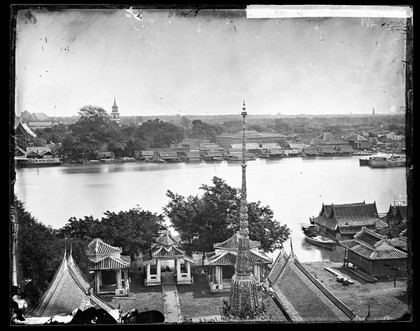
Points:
295	189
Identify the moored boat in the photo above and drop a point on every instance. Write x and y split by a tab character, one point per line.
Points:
363	162
321	241
33	163
387	162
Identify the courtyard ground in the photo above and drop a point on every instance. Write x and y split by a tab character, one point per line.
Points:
195	302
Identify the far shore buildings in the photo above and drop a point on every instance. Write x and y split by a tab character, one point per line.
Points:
115	115
251	136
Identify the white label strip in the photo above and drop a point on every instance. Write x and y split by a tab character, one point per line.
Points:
290	11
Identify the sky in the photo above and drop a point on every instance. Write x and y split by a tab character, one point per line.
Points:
164	63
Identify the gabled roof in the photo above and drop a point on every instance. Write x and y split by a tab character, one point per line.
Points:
248	146
326	138
299	295
38	150
327	149
382	250
233	242
23	128
97	249
166	239
355	137
351	214
165	247
229	258
68	291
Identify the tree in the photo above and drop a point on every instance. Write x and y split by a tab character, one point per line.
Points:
159	134
40	253
214	217
133	230
201	130
93	130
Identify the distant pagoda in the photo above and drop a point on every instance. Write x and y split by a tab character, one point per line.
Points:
243	300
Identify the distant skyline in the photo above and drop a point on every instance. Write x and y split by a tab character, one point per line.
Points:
164	63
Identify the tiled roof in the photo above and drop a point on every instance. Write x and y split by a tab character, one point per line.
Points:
97	250
381	250
166	239
273	310
110	262
368	236
326	138
214	153
327	222
355	214
355	137
399	242
301	295
352	229
248	146
232	243
67	291
229	258
270	145
327	149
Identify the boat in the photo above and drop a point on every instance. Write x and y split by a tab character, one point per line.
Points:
322	241
33	163
311	235
387	162
363	162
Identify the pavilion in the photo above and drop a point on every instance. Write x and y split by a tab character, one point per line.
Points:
223	260
162	252
110	267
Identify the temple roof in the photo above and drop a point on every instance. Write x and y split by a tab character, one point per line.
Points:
68	290
98	248
299	295
373	246
348	215
166	239
229	258
232	243
165	248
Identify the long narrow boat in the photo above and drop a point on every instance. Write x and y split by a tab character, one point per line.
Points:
33	163
321	241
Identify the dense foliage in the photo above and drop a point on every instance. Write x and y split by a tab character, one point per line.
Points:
41	248
213	217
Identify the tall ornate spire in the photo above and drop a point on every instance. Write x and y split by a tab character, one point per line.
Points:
243	300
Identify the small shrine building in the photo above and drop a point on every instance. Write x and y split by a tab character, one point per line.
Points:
110	267
223	260
166	255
